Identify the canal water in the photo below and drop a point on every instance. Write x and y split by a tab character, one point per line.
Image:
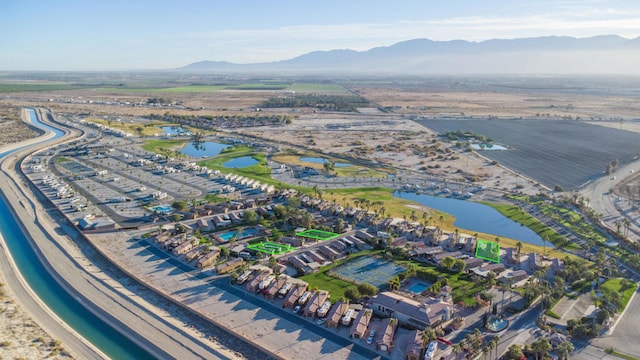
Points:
102	335
476	217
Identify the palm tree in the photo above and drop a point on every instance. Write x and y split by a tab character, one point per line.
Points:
540	347
519	246
564	349
428	335
496	341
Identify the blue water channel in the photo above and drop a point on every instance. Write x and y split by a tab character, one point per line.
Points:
102	335
473	216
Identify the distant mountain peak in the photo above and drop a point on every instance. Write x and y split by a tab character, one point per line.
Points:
602	54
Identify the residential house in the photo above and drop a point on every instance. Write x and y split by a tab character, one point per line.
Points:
384	338
253	285
411	313
424	253
496	268
208	258
275	286
360	324
294	295
535	261
337	312
329	252
185	246
413	350
221	221
300	265
512	277
316	301
194	253
229	265
472	263
360	244
511	255
293	241
557	266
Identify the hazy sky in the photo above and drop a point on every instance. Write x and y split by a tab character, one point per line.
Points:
160	34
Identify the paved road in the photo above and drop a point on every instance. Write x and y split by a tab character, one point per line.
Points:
144	323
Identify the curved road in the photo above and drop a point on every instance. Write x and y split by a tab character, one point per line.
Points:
143	322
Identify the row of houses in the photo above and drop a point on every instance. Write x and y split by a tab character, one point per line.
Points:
312	260
181	244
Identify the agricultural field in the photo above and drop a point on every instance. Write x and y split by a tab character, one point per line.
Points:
551	152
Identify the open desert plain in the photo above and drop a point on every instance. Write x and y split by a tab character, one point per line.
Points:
558	155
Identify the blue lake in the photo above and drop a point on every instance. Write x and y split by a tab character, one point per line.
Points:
204	149
476	217
240	162
319	160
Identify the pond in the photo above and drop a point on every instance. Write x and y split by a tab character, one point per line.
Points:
175	131
486	146
240	162
319	160
203	149
473	216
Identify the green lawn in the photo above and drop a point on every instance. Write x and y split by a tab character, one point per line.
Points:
514	213
162	146
615	285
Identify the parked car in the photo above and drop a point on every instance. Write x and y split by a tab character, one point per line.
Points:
297	309
372	334
321	321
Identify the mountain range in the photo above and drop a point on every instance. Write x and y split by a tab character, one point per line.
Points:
606	54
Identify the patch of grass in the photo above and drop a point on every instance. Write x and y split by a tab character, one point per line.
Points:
19	87
551	314
514	213
616	285
258	171
61	159
165	147
623	356
316	88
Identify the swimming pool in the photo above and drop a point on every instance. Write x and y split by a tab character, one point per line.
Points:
418	288
226	236
162	209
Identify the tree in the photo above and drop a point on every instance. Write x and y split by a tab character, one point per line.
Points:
540	347
515	352
367	289
459	265
250	217
519	246
428	335
179	205
448	262
352	294
564	349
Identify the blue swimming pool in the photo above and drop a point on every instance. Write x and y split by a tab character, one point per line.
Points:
226	236
418	288
162	209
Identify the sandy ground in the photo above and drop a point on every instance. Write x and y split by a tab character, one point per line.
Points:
20	336
391	142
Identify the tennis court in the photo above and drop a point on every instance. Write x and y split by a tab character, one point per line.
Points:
271	248
371	270
317	234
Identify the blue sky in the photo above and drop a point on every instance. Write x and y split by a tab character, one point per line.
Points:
159	34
